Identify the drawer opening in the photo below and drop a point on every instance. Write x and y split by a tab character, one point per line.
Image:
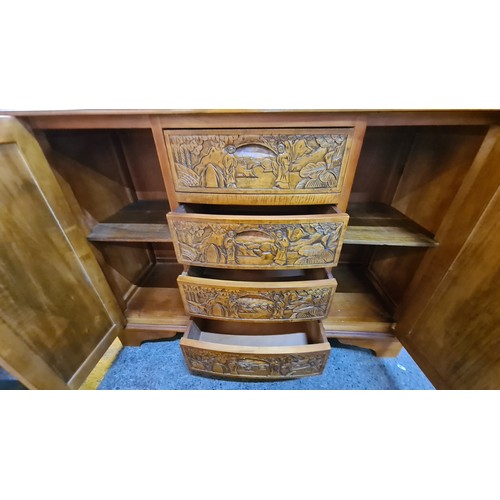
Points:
258	276
190	208
256	335
252	350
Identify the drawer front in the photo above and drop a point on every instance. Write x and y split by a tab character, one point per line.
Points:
230	361
257	301
268	167
258	242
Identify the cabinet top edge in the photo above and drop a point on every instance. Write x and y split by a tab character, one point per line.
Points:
81	111
250	118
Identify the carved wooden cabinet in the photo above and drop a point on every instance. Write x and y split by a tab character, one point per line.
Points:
289	233
260	200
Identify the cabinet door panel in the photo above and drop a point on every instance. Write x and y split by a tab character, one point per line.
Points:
57	314
449	319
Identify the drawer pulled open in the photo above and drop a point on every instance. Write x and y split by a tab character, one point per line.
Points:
287	295
247	350
266	238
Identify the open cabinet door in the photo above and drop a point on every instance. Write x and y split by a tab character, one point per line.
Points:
450	321
57	312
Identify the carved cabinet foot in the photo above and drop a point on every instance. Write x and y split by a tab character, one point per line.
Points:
383	348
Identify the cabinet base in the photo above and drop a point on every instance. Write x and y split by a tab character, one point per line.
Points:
383	345
135	335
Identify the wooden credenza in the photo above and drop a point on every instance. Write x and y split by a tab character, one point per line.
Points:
284	229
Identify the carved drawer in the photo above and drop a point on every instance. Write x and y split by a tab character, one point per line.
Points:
259	166
310	237
249	351
263	296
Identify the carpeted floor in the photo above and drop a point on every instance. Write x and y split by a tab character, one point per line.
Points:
160	365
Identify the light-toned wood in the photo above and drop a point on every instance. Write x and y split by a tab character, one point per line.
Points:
141	157
356	305
92	169
434	171
258	241
156	306
477	189
90	363
134	335
262	166
161	151
123	264
271	297
92	164
155	310
383	348
426	170
56	306
458	333
369	224
391	269
384	153
141	221
230	118
192	119
359	316
435	167
357	142
95	377
381	225
279	358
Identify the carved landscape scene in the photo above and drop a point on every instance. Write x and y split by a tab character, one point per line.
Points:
274	304
250	245
241	365
285	162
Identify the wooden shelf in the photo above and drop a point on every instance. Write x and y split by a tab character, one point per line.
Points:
157	300
358	313
141	221
380	224
369	224
357	308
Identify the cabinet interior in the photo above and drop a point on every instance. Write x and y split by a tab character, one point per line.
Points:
406	179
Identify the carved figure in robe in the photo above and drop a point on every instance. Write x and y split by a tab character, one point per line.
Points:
282	245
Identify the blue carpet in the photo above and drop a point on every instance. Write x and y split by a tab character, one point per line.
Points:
160	365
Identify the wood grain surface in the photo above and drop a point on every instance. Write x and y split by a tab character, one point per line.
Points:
57	312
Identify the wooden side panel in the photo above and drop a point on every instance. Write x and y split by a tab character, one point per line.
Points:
434	171
380	164
437	165
92	170
92	163
478	188
458	335
57	314
143	164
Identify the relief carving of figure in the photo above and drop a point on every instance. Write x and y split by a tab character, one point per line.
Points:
230	247
282	245
230	164
282	168
279	305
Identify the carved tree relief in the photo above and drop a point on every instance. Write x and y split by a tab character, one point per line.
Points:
257	304
265	365
275	245
258	162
